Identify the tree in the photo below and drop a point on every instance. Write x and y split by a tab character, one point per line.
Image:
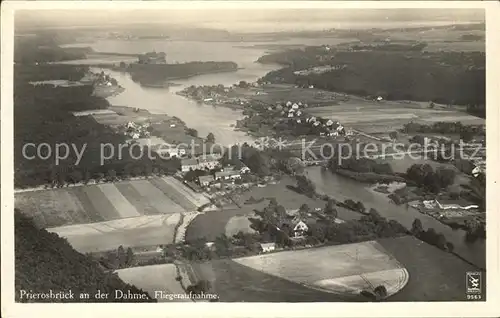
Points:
111	175
380	292
441	241
416	227
330	209
121	256
129	257
446	177
210	138
393	135
76	176
431	105
192	132
304	209
450	247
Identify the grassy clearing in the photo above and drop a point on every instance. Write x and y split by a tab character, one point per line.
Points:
235	283
52	207
237	224
332	267
435	275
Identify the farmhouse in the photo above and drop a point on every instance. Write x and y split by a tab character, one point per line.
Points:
300	229
267	247
205	181
189	164
227	175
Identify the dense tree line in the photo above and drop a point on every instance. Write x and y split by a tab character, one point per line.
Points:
44	261
442	77
42	114
434	181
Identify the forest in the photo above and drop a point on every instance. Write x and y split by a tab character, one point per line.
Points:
456	78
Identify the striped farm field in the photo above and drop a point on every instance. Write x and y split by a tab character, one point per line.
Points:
171	190
156	197
107	201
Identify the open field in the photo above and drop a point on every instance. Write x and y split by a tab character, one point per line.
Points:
386	116
130	232
154	278
286	92
435	275
239	223
344	269
109	201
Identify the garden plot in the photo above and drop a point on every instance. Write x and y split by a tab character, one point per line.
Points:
345	269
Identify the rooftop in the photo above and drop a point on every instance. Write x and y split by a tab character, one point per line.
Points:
189	162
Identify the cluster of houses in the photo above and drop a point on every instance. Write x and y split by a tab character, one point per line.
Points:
98	79
228	173
295	111
136	131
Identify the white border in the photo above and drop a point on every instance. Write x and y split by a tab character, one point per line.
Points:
390	309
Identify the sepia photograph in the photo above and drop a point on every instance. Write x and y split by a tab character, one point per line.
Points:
247	154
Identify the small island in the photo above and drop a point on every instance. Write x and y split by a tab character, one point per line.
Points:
152	69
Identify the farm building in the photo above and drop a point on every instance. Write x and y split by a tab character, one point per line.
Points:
267	247
227	175
205	180
189	164
300	229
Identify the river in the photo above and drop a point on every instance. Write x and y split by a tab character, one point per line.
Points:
218	120
342	188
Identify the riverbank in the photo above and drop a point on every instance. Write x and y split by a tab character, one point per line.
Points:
341	188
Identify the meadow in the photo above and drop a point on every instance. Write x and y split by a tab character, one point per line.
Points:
344	269
108	201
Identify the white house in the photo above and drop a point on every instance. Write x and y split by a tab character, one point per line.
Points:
267	247
295	106
300	229
208	162
289	103
329	122
299	113
227	175
379	98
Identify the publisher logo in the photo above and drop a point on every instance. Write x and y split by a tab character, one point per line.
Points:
473	282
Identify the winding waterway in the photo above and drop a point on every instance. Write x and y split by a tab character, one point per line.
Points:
218	120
